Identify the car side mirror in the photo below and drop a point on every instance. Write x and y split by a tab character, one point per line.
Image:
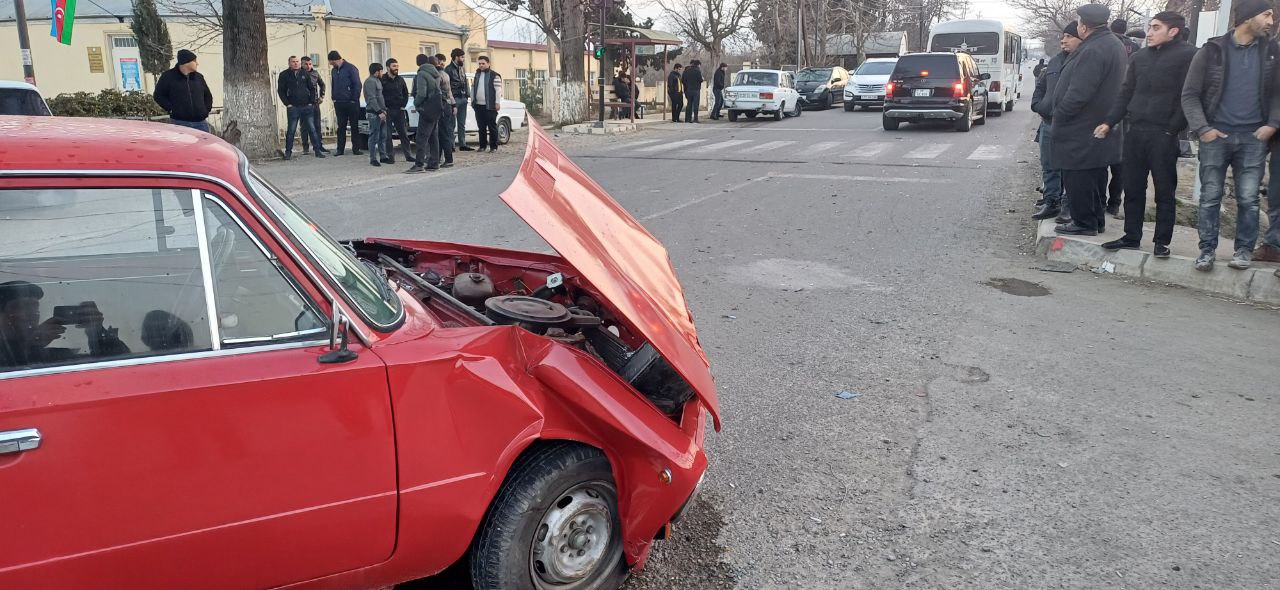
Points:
984	76
340	330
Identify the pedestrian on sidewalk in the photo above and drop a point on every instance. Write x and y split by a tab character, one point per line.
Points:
318	81
1231	101
1039	69
1054	204
1115	187
182	92
449	118
461	92
486	99
1086	89
675	92
430	106
717	88
396	94
692	80
346	100
298	93
375	110
1150	108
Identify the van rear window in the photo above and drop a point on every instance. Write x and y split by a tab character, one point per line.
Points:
927	66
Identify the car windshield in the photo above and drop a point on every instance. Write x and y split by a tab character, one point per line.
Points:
972	43
813	75
875	68
756	79
21	101
364	289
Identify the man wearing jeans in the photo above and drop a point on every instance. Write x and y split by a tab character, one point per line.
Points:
296	91
375	110
1231	103
181	91
1041	103
461	91
346	100
314	75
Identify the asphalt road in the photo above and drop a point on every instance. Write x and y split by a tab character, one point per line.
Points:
1071	430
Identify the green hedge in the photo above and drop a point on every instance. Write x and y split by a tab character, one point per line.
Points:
108	103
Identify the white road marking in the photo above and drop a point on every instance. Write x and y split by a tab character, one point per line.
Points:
822	146
871	150
722	145
741	185
705	197
862	178
675	145
987	152
634	144
768	145
928	152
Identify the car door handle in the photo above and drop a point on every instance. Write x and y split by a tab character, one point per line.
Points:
17	441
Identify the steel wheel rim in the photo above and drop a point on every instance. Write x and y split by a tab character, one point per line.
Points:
574	538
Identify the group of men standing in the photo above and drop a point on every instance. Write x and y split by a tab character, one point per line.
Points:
684	91
1104	106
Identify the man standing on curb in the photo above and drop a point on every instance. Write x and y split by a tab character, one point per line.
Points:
182	92
1086	89
346	100
1231	102
675	92
430	105
692	80
1150	105
486	99
396	94
315	112
1042	103
296	91
461	92
717	88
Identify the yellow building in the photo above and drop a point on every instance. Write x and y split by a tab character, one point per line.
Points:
104	53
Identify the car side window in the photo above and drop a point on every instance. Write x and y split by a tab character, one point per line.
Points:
95	274
256	299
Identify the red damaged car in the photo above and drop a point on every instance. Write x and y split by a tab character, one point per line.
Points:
199	388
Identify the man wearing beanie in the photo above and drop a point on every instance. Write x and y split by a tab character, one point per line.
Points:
345	91
1086	89
1150	105
182	92
1231	101
1041	103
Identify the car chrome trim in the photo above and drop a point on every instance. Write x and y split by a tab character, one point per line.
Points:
18	441
152	360
206	269
302	263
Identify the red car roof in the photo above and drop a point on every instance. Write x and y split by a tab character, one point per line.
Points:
75	143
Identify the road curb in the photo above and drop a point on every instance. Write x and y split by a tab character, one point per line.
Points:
1254	284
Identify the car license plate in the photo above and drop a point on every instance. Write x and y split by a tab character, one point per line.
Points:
922	92
869	97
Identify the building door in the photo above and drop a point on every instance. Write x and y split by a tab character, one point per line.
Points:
128	63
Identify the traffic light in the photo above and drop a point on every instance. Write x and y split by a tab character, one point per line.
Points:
599	53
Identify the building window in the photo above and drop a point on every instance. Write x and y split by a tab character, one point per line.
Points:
435	9
522	77
378	51
540	78
428	48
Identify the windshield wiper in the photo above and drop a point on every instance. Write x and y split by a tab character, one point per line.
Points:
380	279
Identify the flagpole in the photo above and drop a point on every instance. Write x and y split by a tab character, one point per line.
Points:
24	42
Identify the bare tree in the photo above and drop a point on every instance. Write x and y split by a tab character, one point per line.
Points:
1047	18
564	25
708	24
249	115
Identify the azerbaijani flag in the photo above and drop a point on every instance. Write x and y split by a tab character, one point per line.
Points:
64	17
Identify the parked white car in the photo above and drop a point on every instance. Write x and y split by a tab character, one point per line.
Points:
772	92
20	98
511	116
867	87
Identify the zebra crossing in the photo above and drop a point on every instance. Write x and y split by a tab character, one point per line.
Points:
877	151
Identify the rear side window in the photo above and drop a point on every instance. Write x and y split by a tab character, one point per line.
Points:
20	101
927	66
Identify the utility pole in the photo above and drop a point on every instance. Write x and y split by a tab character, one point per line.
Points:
24	42
799	34
600	65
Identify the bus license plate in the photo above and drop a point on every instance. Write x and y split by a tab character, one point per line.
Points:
922	92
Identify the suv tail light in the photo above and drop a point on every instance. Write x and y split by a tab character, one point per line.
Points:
766	95
995	86
958	88
889	88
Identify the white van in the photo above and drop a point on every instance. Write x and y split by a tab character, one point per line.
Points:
997	51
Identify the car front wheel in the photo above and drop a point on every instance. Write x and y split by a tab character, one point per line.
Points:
504	131
733	116
553	526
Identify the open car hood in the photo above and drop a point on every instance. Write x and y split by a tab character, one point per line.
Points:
618	256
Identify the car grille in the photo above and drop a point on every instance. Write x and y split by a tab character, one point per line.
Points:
871	88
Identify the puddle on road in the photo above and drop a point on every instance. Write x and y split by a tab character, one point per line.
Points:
1018	287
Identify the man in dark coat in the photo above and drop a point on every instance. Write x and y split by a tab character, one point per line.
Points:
717	88
1042	103
622	90
1086	89
461	91
182	92
675	92
396	94
692	79
1150	106
486	100
298	93
1231	101
430	105
345	91
316	79
1039	69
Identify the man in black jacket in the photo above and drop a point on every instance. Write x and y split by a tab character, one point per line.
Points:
345	90
182	92
692	80
296	91
717	88
1231	101
675	92
1042	103
486	100
396	93
430	105
1086	89
457	70
316	79
1150	105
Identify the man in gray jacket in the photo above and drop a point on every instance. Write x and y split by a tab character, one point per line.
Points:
375	110
1231	102
430	105
1087	88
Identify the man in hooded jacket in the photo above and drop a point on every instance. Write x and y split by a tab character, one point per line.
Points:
430	105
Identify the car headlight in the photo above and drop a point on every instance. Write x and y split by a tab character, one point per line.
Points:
822	88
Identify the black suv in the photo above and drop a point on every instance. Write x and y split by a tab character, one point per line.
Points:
936	86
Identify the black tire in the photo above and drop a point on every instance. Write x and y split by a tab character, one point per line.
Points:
982	121
965	123
799	110
1008	106
889	124
733	116
504	131
831	100
995	112
779	114
850	107
545	484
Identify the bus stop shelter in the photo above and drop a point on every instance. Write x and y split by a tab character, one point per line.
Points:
641	38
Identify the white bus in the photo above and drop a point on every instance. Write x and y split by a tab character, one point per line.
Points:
997	50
